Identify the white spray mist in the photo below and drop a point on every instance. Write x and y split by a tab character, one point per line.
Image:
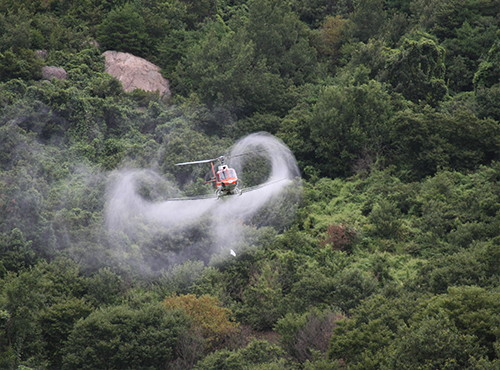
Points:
128	212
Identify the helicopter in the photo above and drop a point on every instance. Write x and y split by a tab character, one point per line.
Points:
225	179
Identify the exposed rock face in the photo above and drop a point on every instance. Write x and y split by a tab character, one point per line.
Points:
135	73
48	73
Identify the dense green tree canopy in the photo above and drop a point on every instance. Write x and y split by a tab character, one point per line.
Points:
385	255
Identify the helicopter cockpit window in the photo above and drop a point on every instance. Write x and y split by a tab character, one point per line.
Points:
231	172
223	175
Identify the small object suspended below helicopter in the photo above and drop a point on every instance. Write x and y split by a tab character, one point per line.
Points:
225	179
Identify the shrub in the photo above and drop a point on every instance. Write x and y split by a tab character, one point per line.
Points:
207	314
302	336
340	237
121	337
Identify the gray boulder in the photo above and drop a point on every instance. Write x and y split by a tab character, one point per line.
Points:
135	73
49	72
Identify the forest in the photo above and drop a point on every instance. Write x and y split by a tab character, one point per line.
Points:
383	254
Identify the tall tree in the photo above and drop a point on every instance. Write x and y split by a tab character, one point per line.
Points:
123	30
416	70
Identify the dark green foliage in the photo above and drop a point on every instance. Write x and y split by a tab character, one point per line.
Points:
451	15
432	141
452	330
15	33
487	101
474	312
433	343
178	278
351	287
349	125
123	30
416	70
33	297
174	47
467	51
386	219
249	67
104	288
372	326
197	11
263	300
126	338
239	80
57	323
304	335
314	12
16	252
368	17
391	109
285	46
23	64
475	266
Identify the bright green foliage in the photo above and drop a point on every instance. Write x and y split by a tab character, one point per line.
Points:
488	73
258	352
380	96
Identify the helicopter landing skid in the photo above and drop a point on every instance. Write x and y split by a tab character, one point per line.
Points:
238	191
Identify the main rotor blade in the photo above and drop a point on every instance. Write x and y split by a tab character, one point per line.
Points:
246	153
221	159
196	162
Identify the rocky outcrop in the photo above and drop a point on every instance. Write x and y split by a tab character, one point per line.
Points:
48	73
135	73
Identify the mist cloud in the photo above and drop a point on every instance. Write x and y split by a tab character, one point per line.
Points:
130	213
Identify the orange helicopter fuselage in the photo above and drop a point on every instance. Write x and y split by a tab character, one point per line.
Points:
225	179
